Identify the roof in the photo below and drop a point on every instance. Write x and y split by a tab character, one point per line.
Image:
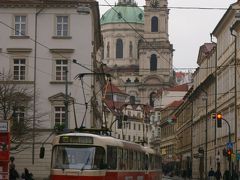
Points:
204	51
123	14
182	87
111	88
112	105
174	104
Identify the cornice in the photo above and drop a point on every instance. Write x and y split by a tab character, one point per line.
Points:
42	3
19	49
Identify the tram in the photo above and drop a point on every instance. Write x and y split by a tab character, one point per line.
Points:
86	156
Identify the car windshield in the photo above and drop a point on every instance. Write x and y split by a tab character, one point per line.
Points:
77	157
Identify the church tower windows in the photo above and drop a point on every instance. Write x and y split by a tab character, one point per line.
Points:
154	24
119	48
108	49
130	49
153	62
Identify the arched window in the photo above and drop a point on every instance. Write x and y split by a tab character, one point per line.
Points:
139	42
119	48
154	24
108	49
130	49
132	99
153	62
152	99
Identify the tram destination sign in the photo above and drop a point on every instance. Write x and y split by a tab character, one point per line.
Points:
3	126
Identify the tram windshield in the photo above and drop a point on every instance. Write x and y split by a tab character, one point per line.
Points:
78	157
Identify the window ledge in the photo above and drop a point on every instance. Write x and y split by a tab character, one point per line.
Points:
62	37
60	82
18	82
19	37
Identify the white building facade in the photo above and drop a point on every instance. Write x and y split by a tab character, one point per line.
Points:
38	42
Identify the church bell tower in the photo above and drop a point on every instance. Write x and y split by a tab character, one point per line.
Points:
155	50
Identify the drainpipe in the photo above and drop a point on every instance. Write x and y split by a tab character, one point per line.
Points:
215	98
235	87
34	84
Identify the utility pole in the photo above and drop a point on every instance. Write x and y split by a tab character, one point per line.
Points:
66	100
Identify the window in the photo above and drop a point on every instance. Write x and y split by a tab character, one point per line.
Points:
153	62
130	49
19	69
154	24
119	48
59	115
61	68
62	26
132	99
20	25
108	49
19	114
152	99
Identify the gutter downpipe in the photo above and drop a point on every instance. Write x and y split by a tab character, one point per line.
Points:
235	87
34	84
215	98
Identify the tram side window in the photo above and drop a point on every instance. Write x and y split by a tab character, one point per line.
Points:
130	159
135	160
120	158
142	161
99	159
112	157
146	162
125	158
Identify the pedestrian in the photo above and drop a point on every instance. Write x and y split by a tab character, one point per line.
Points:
218	174
26	175
226	175
211	174
13	174
235	175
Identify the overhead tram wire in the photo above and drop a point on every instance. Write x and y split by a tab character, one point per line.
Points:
180	7
1	22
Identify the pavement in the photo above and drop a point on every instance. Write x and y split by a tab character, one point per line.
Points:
175	178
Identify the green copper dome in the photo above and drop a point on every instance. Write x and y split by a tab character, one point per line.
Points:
123	14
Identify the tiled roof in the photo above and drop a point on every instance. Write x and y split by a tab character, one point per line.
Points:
111	88
174	104
182	87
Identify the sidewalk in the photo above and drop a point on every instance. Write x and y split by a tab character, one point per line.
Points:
177	178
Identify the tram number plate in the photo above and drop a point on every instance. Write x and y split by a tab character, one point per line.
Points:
128	178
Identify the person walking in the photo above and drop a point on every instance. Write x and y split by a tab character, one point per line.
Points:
218	174
26	175
211	174
13	174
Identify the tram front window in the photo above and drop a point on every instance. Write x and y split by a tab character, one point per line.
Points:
77	157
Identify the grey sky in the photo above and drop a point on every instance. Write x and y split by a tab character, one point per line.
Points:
188	28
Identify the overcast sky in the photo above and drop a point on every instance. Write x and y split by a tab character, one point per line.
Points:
188	28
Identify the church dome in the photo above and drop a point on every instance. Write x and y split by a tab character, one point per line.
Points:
123	14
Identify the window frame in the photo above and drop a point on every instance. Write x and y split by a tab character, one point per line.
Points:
62	70
62	114
21	23
153	63
154	24
119	48
62	26
19	65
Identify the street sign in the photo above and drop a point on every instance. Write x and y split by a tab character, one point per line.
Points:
229	145
3	126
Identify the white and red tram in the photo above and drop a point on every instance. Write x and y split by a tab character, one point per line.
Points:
85	156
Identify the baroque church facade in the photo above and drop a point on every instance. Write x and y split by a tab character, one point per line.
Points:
137	50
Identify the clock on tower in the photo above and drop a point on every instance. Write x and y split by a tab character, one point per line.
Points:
154	3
